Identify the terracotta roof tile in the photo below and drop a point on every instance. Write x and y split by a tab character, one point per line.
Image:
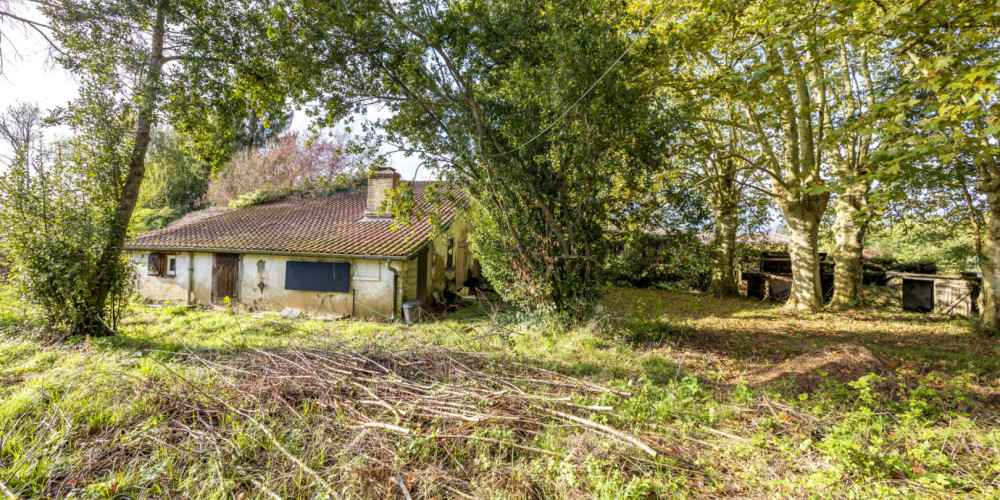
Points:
332	225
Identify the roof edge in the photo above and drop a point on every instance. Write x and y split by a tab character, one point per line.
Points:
264	252
408	256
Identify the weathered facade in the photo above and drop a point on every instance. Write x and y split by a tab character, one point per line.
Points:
336	255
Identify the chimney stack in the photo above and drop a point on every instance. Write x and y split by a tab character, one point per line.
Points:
381	181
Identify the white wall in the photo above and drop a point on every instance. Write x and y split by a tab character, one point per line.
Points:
162	287
370	280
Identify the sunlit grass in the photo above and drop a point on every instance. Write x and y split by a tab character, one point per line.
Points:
679	354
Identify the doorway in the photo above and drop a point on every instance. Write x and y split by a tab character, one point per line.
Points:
918	295
225	277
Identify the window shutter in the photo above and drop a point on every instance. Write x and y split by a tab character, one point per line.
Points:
155	264
318	276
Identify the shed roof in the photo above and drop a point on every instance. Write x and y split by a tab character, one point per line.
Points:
332	225
750	238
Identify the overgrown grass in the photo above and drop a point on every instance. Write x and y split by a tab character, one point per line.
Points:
114	418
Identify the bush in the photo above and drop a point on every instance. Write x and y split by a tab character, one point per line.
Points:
56	208
148	219
645	260
53	240
249	199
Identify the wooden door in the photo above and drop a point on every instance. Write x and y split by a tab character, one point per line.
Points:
422	275
225	277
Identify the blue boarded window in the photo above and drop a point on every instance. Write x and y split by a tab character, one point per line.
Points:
318	276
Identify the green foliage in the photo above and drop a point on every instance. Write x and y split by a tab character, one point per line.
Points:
677	259
950	246
148	219
55	210
175	180
249	199
544	114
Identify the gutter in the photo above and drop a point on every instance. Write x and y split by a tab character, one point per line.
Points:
190	298
265	252
395	286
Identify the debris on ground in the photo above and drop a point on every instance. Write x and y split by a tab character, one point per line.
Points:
290	313
368	403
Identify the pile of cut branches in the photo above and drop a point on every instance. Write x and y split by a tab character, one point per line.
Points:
408	424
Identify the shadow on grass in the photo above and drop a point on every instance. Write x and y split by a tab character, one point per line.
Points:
952	354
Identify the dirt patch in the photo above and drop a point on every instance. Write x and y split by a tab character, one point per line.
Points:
841	363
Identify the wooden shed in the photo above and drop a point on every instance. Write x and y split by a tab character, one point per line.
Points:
944	293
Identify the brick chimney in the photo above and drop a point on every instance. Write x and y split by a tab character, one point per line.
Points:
381	181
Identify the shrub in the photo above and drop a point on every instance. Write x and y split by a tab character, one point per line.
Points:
55	228
148	219
645	260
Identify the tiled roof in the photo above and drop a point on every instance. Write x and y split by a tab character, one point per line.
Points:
331	225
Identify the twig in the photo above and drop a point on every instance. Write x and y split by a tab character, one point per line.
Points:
6	491
260	486
503	443
631	439
267	432
389	427
721	433
402	487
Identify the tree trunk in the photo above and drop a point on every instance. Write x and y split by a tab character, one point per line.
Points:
848	235
111	253
724	281
803	218
989	263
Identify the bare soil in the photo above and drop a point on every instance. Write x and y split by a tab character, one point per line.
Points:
809	372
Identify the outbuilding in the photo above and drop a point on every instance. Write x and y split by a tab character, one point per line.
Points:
333	255
944	293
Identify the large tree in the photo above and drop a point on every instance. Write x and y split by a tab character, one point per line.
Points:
763	58
720	161
138	62
804	84
948	112
543	113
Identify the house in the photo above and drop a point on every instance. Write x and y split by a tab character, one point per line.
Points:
335	255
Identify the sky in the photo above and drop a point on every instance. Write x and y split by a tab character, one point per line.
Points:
29	75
